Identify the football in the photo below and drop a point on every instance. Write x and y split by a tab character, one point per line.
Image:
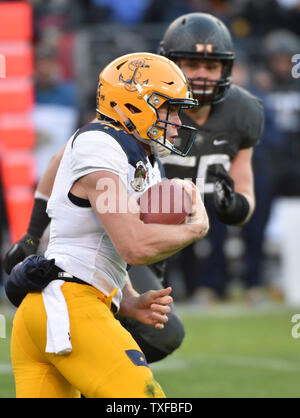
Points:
165	203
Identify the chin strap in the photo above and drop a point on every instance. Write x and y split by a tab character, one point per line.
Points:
159	150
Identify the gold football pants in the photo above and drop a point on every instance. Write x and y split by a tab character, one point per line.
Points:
105	360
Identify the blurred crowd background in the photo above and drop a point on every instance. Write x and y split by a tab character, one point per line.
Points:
73	40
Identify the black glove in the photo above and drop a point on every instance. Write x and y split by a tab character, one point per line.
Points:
26	246
224	187
231	208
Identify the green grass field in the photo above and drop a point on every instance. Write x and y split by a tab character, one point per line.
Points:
229	351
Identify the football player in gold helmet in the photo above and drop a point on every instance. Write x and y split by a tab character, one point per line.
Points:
65	338
134	88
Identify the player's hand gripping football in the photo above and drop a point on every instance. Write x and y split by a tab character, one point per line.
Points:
224	187
26	246
198	214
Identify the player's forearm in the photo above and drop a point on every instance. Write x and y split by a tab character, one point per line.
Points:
242	174
39	219
141	244
136	242
128	292
46	182
162	241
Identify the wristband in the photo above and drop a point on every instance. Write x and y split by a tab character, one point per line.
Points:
39	219
236	213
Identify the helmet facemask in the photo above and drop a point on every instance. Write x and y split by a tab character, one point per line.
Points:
158	131
209	91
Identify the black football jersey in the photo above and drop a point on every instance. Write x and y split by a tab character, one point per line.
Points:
233	124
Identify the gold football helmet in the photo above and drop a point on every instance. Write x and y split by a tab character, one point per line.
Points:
132	88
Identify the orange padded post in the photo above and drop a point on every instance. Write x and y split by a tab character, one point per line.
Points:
18	58
16	132
16	95
16	102
18	169
15	21
19	203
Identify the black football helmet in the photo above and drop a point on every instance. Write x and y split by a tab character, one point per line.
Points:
201	36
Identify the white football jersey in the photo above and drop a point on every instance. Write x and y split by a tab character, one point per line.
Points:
78	241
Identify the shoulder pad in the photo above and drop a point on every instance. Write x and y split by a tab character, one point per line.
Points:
132	147
250	115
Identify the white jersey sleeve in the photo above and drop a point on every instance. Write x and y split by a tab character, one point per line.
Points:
94	151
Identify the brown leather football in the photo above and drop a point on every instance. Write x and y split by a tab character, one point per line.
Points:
165	203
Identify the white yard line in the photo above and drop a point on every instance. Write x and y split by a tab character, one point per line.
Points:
191	361
232	310
235	361
5	368
170	365
258	363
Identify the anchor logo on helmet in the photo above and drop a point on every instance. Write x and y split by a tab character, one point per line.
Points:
134	66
